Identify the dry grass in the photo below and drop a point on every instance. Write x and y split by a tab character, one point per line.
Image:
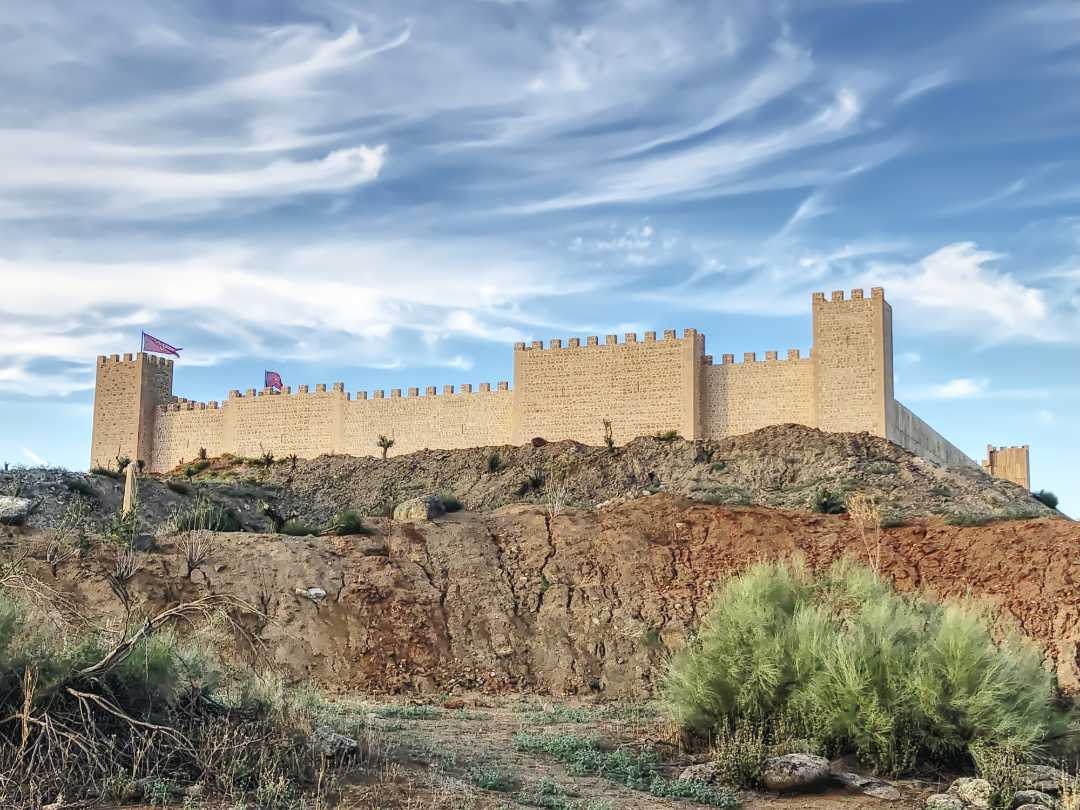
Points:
866	516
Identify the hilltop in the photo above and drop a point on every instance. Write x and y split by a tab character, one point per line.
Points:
784	466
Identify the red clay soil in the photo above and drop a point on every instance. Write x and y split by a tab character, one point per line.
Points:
591	600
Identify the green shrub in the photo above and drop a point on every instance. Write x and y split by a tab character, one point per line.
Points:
80	486
105	472
890	678
297	528
634	769
489	777
349	522
827	502
204	513
668	436
450	503
202	453
1046	498
494	462
179	487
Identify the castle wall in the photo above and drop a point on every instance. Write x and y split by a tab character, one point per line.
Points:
180	431
562	391
445	421
643	387
912	433
740	397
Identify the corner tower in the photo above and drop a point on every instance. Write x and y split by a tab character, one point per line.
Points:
127	392
853	362
1011	463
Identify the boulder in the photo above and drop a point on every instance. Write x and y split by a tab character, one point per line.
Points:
870	785
331	744
943	801
425	507
14	511
1044	778
707	772
794	772
973	792
1029	798
315	594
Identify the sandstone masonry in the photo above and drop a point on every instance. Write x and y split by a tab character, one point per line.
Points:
563	390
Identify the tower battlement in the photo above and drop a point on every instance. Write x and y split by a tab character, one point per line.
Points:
564	388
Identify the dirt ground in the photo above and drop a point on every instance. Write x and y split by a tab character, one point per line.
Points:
426	756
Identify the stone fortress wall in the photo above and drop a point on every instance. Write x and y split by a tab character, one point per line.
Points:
562	391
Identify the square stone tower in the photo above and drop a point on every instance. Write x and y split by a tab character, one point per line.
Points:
126	395
853	362
1011	463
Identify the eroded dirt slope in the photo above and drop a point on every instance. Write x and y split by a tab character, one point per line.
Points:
588	601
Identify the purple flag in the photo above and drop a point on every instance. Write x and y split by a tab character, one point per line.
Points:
271	379
152	344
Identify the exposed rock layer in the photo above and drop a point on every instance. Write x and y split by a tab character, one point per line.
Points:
587	600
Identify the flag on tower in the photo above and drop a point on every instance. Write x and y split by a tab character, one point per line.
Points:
271	379
152	344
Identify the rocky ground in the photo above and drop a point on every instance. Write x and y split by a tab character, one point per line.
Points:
783	466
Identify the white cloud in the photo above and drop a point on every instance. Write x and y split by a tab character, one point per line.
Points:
1045	416
366	303
960	388
959	288
973	388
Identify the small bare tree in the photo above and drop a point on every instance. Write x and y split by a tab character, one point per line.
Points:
556	495
196	548
867	519
609	436
384	443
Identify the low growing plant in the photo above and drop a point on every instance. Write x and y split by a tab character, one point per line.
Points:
827	502
349	522
298	528
451	503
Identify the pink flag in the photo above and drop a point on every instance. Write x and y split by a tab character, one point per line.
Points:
152	344
271	379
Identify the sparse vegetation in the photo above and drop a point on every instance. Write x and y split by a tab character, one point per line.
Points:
1046	498
857	668
384	443
179	487
609	436
349	522
94	717
489	777
105	472
636	769
724	496
202	454
827	502
204	514
668	436
494	462
450	502
298	528
408	712
80	486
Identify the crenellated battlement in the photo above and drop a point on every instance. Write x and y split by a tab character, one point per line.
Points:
593	341
132	359
857	294
751	357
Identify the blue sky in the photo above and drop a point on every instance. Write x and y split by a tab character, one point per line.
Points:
390	193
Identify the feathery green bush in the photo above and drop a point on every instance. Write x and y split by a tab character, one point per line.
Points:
895	679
